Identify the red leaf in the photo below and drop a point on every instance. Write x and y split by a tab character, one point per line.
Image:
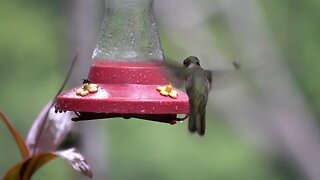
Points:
48	130
25	169
17	137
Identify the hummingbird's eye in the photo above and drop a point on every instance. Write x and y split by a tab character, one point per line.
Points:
186	63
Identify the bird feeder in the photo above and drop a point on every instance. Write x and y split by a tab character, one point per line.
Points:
127	74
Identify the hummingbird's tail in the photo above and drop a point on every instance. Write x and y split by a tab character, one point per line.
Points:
192	120
201	122
197	121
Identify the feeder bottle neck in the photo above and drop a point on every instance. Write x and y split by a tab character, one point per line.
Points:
128	33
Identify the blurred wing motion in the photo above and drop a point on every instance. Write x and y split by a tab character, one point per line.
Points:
177	74
223	78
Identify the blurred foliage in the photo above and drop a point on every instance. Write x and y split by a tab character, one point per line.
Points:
295	27
32	66
30	57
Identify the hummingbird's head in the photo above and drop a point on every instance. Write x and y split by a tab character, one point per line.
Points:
191	61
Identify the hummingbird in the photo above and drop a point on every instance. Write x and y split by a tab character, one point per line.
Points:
198	83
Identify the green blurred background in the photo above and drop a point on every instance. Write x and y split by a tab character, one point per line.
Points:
34	51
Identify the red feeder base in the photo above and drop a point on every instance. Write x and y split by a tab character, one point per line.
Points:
128	90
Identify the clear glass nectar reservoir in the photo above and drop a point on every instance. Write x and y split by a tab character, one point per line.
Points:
129	33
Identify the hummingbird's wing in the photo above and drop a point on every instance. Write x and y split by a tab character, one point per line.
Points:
222	77
209	76
176	74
